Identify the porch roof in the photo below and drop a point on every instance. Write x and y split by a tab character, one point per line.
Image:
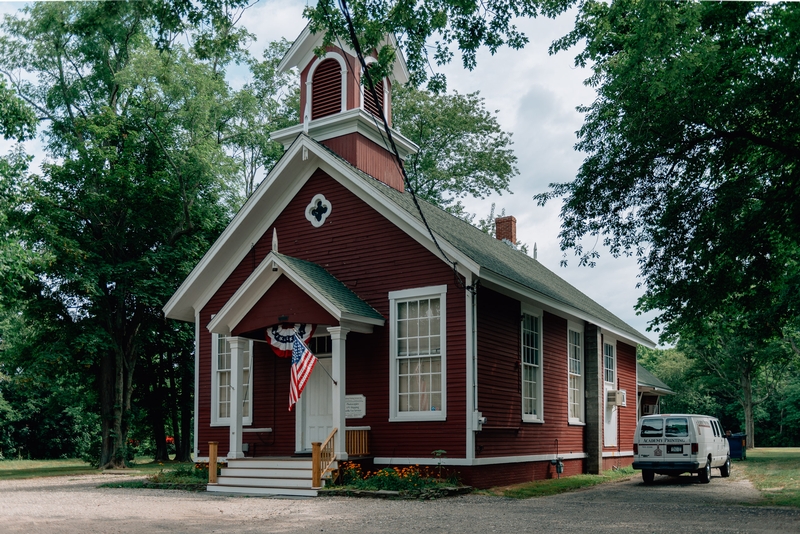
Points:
331	294
647	381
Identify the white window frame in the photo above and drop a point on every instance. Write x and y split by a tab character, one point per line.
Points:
407	295
577	328
538	417
215	419
611	342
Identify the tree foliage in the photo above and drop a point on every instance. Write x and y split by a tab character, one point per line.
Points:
692	156
462	149
467	26
133	193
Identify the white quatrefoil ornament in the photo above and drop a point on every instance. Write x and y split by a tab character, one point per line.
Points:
318	210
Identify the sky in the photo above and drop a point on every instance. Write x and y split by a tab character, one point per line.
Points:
535	96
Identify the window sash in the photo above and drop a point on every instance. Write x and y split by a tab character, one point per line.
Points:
575	356
418	390
531	367
609	363
221	386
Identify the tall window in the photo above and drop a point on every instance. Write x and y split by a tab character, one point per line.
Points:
221	387
532	366
575	355
610	363
418	354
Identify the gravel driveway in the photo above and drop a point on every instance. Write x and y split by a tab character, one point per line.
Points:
64	504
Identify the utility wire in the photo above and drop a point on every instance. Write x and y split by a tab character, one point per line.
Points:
398	159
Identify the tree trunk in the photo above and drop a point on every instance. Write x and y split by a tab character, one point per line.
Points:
747	405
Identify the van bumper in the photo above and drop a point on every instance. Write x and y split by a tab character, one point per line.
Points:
667	466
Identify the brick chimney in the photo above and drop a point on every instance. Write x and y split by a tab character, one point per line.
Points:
506	228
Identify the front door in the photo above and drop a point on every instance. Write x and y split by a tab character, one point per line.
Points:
317	405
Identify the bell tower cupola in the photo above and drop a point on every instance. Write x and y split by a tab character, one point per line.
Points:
339	111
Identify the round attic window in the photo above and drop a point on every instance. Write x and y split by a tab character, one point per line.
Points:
318	210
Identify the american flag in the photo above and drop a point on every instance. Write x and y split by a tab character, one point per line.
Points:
303	363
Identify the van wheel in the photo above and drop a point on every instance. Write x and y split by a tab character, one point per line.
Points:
725	469
705	473
648	475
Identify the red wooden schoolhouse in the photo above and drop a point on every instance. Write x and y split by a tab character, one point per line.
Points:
492	358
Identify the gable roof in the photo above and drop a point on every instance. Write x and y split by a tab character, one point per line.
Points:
647	380
491	260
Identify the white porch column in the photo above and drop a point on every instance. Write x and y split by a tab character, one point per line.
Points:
238	346
338	337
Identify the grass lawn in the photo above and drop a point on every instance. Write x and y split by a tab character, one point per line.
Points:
18	469
554	486
775	472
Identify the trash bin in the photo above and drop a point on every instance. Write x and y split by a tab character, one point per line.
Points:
738	445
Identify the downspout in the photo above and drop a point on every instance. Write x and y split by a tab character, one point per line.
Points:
472	370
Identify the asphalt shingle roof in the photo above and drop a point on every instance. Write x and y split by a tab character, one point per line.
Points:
646	378
328	286
494	255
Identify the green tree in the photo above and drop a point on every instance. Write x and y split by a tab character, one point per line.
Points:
692	156
462	149
131	197
465	25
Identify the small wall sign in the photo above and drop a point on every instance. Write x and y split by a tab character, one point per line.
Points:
355	406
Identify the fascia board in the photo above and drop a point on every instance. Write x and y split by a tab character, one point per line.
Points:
400	69
298	50
243	300
519	289
182	302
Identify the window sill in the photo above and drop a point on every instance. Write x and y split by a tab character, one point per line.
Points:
536	421
228	423
576	423
418	418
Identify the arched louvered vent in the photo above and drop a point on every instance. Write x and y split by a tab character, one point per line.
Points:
369	101
326	89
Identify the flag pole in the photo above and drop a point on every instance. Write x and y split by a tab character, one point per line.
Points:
335	383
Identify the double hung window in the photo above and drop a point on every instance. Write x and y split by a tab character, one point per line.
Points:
575	365
610	363
418	355
222	391
531	365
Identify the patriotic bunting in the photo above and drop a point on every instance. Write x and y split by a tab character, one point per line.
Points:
282	339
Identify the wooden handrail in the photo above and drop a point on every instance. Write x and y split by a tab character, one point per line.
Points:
322	457
212	462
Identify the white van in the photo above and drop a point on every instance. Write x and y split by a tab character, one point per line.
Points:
671	444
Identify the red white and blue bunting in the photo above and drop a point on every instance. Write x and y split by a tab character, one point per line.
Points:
282	339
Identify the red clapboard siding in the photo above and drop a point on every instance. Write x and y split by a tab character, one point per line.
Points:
369	157
626	363
371	256
486	476
499	396
283	298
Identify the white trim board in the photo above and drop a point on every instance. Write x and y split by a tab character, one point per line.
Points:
495	460
617	454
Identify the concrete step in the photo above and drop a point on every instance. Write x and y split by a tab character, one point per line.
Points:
265	473
280	492
265	482
271	463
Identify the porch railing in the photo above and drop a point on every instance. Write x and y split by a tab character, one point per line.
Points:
322	457
357	441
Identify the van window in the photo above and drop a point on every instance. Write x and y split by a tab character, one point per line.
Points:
677	427
715	428
652	428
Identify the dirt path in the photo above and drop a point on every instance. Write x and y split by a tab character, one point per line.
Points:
64	504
